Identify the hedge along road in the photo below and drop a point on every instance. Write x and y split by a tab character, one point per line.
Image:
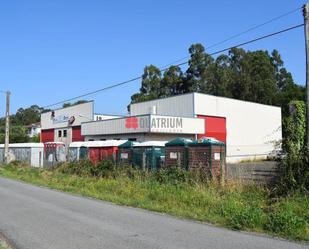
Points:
33	217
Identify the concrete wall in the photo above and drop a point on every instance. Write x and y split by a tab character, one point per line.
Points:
25	153
37	157
260	172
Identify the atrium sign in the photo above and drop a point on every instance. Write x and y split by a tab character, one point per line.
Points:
145	124
165	124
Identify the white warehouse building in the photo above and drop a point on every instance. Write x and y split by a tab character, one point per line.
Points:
250	130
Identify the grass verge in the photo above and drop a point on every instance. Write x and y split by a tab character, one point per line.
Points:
237	206
3	244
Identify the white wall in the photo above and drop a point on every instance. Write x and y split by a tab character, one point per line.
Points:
66	140
37	157
252	129
81	112
181	105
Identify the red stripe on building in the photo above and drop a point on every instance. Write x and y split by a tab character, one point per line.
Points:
47	135
214	127
77	135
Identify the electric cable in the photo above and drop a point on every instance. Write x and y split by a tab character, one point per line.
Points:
179	64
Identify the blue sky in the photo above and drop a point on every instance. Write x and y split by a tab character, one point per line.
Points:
54	50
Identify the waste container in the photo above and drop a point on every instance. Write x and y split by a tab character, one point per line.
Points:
176	152
149	155
207	154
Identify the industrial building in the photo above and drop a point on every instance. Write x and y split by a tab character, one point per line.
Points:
249	130
64	124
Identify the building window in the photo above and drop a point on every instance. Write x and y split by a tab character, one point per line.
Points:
102	139
132	139
65	133
90	139
59	133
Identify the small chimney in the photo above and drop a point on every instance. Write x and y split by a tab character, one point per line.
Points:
153	110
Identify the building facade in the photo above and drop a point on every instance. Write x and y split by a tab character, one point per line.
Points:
64	125
250	130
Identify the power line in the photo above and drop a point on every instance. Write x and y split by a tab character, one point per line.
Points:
179	64
259	38
241	33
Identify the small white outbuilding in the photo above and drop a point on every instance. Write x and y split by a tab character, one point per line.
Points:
31	153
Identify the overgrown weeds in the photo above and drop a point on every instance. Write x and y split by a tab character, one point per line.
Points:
180	193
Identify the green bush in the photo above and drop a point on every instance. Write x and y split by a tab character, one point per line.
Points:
286	223
173	175
176	175
294	167
104	168
79	168
295	173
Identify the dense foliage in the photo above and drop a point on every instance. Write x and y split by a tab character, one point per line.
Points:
247	75
295	170
19	121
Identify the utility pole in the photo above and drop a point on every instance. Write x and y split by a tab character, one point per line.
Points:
306	28
7	127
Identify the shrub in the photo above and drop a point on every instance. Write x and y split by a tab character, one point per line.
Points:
79	168
295	173
294	167
105	168
176	175
286	223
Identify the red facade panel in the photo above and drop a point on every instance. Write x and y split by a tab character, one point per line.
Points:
47	135
76	134
214	127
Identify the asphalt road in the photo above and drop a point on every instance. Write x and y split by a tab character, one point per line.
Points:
38	218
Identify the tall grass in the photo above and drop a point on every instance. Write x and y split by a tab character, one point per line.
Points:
179	193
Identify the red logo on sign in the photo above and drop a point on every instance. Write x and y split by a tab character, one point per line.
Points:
132	123
71	120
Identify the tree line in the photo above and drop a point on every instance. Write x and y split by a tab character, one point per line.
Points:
257	76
